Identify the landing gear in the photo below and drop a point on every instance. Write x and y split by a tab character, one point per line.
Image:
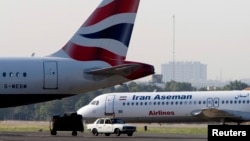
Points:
223	122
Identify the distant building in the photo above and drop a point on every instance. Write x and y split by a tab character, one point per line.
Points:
193	72
157	78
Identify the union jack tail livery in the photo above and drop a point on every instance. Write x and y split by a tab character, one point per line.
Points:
94	58
105	37
106	34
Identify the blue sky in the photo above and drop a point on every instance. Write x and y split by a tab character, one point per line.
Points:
214	32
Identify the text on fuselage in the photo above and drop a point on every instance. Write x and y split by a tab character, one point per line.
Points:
162	97
15	86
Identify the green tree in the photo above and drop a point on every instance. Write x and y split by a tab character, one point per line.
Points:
235	85
122	88
178	86
23	112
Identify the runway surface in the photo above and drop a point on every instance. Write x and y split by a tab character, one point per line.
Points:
44	135
66	136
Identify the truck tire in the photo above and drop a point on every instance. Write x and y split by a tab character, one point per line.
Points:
95	132
130	134
53	132
117	132
74	133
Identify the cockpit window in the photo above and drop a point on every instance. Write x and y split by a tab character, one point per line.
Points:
94	102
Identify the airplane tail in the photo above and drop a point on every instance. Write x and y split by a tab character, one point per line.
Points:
105	36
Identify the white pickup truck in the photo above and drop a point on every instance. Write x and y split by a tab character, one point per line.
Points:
109	126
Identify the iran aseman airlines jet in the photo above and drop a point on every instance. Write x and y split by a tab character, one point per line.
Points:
92	59
173	107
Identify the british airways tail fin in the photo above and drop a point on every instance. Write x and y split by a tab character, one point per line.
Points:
105	35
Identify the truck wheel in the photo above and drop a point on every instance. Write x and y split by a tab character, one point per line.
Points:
95	132
130	134
117	132
53	132
74	133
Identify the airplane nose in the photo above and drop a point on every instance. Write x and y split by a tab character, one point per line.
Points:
82	111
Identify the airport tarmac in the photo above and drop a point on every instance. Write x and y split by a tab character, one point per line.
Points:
66	136
44	135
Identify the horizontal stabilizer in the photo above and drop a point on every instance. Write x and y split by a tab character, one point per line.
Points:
122	70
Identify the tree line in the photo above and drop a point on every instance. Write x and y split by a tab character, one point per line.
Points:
45	111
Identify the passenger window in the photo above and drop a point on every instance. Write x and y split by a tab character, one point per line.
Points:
108	121
101	121
98	122
11	74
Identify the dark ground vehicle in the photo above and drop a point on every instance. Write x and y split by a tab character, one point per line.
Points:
68	122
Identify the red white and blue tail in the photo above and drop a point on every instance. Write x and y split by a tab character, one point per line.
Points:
106	34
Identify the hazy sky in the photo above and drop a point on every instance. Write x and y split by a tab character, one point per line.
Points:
213	32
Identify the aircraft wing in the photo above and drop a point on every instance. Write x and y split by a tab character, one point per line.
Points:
123	70
213	113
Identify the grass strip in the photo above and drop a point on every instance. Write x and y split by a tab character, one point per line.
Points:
33	126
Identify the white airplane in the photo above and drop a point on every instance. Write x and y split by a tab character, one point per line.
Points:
92	59
172	107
